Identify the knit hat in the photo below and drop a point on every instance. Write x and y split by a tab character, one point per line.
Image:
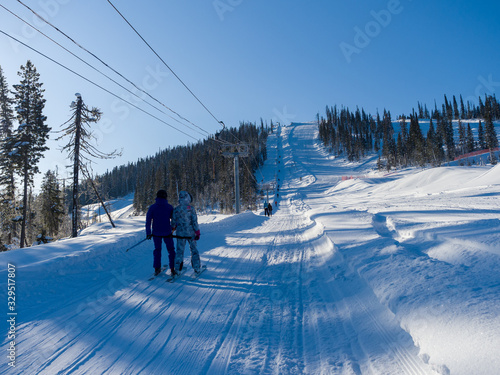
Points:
161	194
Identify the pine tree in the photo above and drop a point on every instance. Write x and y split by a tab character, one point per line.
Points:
388	145
470	139
462	108
462	139
489	130
481	142
480	108
447	109
27	143
433	150
403	143
448	137
416	141
456	114
7	168
51	204
400	152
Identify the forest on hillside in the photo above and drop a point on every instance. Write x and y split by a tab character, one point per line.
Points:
354	134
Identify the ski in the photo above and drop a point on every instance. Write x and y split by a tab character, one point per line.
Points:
196	275
173	279
155	276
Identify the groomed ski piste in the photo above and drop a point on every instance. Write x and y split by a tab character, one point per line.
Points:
382	274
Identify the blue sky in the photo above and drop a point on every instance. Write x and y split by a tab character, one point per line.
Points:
280	60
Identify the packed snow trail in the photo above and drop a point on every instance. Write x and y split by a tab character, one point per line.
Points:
337	281
427	244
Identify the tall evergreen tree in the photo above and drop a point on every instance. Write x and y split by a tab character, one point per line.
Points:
456	113
470	140
27	144
462	108
481	142
462	138
388	146
448	138
51	204
489	130
434	148
7	168
416	148
448	109
403	143
481	108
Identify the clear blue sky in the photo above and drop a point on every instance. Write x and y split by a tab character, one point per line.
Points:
247	59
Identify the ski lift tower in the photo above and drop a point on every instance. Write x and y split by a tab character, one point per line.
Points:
235	151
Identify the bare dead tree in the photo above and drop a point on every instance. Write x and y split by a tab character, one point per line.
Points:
80	148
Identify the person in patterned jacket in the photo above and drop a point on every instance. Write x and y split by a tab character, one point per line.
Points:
185	224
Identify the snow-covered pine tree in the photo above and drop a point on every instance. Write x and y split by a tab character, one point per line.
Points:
27	143
7	180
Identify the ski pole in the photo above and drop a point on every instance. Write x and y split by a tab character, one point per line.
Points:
137	244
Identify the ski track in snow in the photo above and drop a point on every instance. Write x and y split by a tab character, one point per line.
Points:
365	276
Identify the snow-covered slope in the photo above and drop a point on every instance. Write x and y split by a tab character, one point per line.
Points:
386	274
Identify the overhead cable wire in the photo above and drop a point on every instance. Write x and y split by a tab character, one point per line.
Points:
108	66
164	63
138	88
249	171
97	85
97	70
169	68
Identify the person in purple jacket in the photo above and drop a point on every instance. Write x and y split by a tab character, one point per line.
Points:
159	215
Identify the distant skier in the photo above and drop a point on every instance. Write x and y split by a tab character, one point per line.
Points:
185	224
160	214
266	211
270	209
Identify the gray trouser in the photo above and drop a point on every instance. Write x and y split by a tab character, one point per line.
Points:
179	253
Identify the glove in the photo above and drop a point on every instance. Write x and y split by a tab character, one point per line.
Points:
197	235
149	236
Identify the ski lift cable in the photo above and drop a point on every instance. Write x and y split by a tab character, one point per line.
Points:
97	85
164	63
111	68
169	68
249	171
97	70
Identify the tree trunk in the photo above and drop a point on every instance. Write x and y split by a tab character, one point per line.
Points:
76	167
25	205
